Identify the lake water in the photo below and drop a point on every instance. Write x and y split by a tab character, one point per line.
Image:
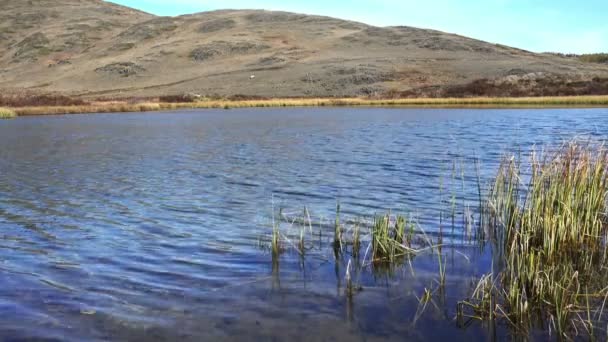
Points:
153	226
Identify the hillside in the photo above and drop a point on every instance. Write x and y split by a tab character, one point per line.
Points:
94	48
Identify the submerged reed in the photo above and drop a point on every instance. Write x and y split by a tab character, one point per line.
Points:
356	240
547	225
276	245
549	231
391	242
337	229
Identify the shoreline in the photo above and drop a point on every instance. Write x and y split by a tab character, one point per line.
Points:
482	102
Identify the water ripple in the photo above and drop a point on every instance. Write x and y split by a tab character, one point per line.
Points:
111	224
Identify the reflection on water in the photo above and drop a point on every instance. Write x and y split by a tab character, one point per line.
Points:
147	226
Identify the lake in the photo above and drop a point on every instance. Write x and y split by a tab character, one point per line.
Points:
155	225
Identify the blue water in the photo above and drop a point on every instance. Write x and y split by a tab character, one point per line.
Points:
149	226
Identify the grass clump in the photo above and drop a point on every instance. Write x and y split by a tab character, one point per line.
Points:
549	237
6	113
547	224
391	240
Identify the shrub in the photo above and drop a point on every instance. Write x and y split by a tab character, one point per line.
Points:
32	100
594	58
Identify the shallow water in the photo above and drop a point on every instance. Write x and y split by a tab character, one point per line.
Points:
148	226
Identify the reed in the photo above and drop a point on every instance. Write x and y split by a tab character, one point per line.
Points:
442	268
276	241
337	229
356	240
423	301
6	113
400	229
391	242
348	279
547	224
549	230
276	245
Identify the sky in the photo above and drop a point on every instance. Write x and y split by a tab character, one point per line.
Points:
568	26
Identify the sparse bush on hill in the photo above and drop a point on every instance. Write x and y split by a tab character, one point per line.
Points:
223	48
587	58
241	97
32	47
217	25
174	99
530	85
595	58
149	29
122	69
563	55
180	98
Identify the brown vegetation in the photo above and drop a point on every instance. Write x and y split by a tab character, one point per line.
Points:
601	58
595	58
512	86
176	99
39	100
126	106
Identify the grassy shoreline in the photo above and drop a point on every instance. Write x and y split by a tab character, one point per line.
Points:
483	102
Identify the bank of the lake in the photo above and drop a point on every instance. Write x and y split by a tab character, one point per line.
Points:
481	102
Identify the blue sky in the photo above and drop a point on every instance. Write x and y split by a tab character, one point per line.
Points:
538	25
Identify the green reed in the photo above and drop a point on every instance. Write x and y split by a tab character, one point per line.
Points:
391	241
356	239
549	236
275	242
337	229
547	225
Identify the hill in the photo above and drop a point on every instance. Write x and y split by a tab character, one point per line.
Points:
93	48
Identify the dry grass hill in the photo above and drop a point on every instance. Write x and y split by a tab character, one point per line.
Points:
93	48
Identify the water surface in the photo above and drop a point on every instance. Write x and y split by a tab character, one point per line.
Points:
148	226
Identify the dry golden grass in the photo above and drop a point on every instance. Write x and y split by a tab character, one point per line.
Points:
6	113
121	107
